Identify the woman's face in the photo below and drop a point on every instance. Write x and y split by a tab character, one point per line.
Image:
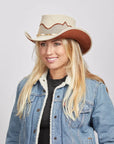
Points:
53	54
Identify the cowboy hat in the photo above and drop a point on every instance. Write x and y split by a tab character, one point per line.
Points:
61	26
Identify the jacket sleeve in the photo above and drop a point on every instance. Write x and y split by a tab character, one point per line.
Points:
15	122
103	116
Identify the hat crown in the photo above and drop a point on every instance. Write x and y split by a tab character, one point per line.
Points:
54	24
50	20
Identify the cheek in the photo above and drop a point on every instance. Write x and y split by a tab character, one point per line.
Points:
64	59
41	53
64	55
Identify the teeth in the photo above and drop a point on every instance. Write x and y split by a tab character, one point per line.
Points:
52	58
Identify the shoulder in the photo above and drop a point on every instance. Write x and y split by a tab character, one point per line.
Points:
93	83
94	87
21	83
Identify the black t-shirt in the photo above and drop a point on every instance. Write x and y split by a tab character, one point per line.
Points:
45	122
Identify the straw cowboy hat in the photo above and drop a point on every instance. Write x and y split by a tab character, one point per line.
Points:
61	26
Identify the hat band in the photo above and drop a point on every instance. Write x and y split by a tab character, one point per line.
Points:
53	34
53	30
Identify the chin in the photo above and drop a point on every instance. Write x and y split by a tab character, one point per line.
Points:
52	68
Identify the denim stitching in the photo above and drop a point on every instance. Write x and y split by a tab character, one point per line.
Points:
79	137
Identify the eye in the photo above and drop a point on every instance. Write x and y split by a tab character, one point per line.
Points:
57	43
42	44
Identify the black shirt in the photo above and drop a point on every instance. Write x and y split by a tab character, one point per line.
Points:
45	122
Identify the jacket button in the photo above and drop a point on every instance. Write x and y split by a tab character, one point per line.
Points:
55	138
38	110
44	91
58	96
55	116
34	131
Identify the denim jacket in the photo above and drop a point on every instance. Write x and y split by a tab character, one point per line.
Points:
96	115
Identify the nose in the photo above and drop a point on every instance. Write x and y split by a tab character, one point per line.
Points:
49	49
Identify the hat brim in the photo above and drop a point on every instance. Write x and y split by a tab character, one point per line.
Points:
80	36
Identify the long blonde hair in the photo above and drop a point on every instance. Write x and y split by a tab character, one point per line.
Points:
76	69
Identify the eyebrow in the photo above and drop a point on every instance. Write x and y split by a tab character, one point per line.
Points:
42	41
56	40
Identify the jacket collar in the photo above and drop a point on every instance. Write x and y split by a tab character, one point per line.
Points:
43	80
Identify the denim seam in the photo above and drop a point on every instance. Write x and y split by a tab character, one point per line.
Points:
96	90
79	136
35	94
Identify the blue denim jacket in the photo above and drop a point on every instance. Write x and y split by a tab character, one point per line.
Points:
97	114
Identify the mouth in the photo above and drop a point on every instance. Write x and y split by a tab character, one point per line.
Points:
52	59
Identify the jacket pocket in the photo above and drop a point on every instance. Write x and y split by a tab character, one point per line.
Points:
84	116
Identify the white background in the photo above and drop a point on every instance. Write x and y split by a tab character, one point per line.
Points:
17	16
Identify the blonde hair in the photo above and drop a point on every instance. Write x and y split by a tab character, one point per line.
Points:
77	70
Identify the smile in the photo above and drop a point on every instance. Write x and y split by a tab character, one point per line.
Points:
50	60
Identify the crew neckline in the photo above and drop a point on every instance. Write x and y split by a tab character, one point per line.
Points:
55	82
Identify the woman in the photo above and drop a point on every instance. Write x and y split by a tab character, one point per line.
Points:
61	102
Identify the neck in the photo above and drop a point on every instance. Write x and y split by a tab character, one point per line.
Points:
54	74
